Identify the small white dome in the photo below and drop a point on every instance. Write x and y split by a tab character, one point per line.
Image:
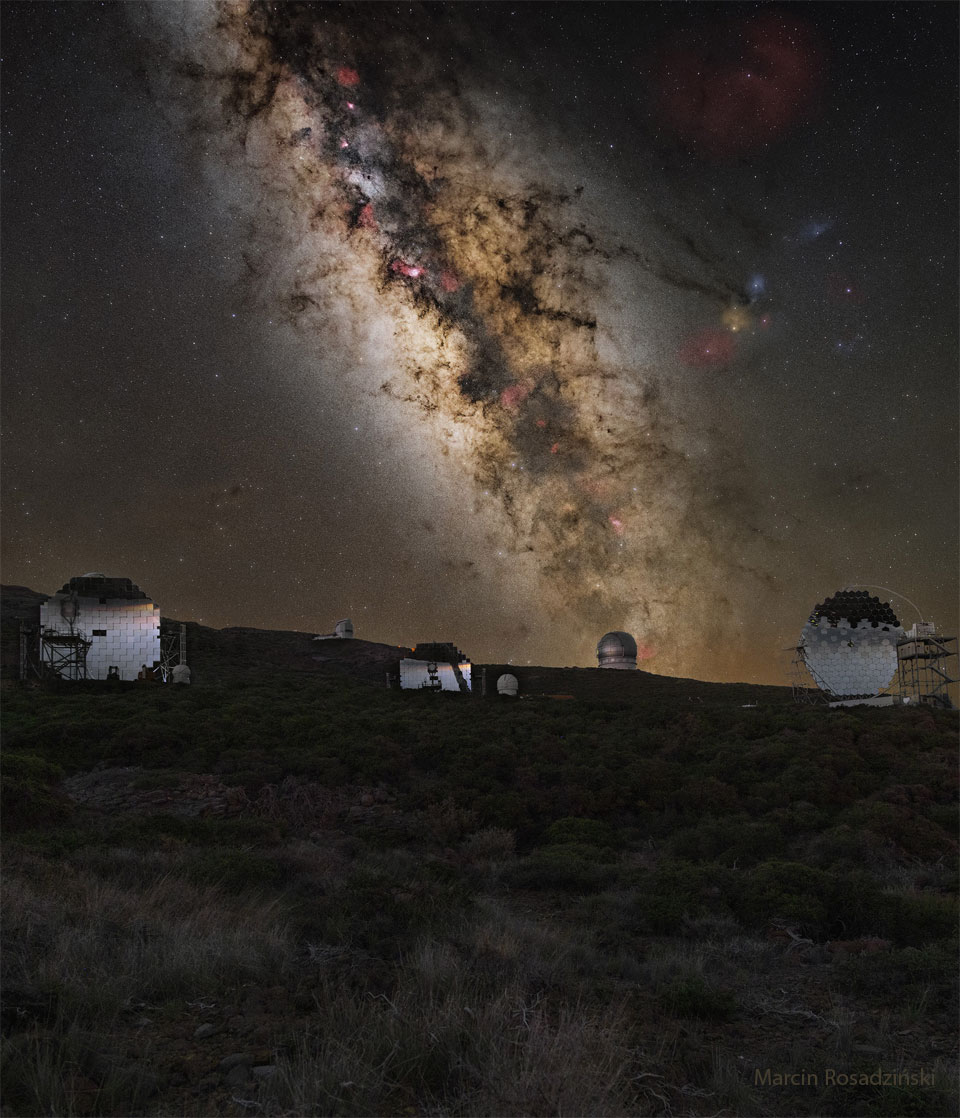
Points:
507	684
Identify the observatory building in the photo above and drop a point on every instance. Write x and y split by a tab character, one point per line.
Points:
849	645
509	685
94	623
342	631
617	650
437	666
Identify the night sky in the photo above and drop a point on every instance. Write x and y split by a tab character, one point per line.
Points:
500	324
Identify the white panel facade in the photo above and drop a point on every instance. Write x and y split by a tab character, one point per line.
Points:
124	632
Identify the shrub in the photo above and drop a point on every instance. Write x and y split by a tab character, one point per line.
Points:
893	976
788	890
737	840
844	848
502	809
917	919
593	832
490	844
28	794
830	905
232	869
903	825
678	890
441	1044
447	822
96	945
573	866
691	996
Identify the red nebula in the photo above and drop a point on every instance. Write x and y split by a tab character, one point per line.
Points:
617	524
405	269
366	218
645	651
351	105
541	423
707	349
744	87
514	395
554	448
343	144
347	76
449	280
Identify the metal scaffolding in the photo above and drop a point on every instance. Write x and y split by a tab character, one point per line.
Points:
29	651
923	666
807	687
173	648
64	654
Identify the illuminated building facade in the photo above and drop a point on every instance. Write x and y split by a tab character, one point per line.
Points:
113	616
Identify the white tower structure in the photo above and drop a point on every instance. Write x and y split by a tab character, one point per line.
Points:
121	624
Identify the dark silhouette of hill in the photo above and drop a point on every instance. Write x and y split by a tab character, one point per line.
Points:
242	652
239	652
218	655
288	883
628	686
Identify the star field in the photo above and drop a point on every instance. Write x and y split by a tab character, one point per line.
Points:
502	325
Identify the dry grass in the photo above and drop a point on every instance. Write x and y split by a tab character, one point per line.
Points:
444	1043
68	1069
98	946
80	951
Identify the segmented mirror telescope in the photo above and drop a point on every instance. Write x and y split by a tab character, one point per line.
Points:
849	643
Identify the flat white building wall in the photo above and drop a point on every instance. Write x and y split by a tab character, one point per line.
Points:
123	631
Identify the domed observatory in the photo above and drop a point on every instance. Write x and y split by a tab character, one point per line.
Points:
508	684
617	650
343	631
849	643
118	622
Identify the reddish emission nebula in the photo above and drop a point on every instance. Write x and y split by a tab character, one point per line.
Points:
741	82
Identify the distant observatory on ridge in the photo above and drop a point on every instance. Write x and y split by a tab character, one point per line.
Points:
853	649
343	630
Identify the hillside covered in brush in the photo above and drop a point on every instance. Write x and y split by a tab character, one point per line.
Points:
289	893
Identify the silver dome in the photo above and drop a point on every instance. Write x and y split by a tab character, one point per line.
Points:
617	650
